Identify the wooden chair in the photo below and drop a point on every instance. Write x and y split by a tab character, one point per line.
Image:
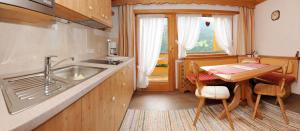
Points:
209	92
273	90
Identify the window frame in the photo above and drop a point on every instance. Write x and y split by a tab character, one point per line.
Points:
213	53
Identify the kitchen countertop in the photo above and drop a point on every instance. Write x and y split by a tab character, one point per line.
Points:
38	114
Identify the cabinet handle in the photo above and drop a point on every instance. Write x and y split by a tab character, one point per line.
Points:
124	105
102	15
123	84
113	98
90	7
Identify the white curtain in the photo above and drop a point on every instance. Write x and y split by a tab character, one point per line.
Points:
223	31
150	38
188	27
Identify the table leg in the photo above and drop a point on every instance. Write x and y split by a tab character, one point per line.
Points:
234	103
242	92
249	98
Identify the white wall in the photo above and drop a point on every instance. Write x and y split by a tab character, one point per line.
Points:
281	37
23	48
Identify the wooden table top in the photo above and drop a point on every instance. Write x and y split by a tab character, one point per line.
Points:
248	73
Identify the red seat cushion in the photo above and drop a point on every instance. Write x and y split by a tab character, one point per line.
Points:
201	76
276	78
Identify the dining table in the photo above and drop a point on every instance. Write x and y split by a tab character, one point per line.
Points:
240	74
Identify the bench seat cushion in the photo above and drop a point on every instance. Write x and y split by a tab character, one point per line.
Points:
203	77
276	78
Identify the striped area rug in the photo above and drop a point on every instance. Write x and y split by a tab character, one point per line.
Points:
181	120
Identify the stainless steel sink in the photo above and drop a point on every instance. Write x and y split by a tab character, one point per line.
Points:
77	73
109	62
22	92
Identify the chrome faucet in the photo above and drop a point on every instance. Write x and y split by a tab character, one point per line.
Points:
49	66
48	71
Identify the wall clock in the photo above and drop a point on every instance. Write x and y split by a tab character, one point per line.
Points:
275	15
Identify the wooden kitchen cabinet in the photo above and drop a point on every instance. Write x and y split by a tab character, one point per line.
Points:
67	120
105	106
80	6
101	11
98	108
101	109
98	10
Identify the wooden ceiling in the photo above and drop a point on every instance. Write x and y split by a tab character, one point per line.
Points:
242	3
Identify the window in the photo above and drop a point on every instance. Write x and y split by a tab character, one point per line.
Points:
207	42
164	44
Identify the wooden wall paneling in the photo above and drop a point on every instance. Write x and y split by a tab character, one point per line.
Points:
242	3
292	67
185	11
67	120
209	61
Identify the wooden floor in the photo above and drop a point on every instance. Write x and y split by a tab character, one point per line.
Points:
176	100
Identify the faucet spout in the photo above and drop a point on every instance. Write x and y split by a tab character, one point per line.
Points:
49	66
63	60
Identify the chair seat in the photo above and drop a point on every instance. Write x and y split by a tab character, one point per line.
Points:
268	89
213	92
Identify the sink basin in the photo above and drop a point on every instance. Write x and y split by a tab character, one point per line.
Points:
22	92
77	73
109	62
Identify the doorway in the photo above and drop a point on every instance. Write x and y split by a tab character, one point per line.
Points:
163	76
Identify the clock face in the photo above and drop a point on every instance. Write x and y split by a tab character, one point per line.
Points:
275	15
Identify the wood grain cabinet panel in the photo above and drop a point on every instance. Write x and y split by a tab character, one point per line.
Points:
101	109
67	120
80	6
98	108
98	10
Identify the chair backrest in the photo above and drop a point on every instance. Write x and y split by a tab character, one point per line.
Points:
284	72
195	69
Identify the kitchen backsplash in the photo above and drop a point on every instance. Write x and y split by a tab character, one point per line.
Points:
23	48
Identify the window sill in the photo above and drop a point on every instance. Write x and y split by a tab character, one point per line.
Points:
205	54
208	56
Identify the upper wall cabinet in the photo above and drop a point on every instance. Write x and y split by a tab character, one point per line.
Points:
80	6
93	13
101	11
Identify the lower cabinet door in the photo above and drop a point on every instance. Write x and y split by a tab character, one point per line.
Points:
97	113
102	109
67	120
116	85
